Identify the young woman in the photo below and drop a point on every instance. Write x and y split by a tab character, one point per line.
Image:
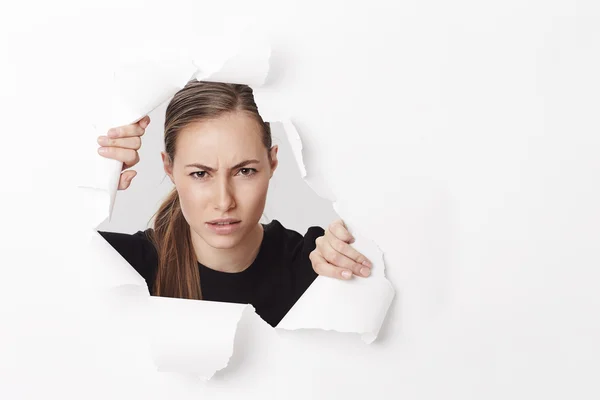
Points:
207	241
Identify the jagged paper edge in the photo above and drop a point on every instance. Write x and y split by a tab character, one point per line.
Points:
303	315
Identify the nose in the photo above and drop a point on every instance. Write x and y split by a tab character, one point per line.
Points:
224	198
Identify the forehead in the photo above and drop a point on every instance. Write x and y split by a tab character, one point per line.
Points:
227	138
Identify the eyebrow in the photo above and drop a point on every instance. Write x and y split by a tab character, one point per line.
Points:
238	165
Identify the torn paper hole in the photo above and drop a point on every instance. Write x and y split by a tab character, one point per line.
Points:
328	296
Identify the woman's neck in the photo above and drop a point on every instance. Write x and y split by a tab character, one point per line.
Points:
231	260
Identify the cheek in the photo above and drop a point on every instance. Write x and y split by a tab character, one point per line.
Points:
191	199
254	196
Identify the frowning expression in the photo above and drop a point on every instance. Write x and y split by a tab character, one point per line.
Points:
221	171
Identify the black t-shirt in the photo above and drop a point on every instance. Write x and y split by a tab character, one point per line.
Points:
276	279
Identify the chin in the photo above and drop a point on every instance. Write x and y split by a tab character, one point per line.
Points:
222	242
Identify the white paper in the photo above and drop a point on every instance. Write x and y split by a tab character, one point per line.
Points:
192	337
247	61
358	305
196	337
110	270
138	88
295	144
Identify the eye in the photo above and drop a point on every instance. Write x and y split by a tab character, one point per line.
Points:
198	174
247	171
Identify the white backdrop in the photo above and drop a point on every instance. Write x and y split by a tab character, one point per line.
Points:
463	135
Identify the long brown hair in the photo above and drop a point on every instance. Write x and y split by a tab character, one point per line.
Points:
178	274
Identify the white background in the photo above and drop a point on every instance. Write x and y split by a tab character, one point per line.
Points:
463	135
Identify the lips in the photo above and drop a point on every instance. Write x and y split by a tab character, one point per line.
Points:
224	221
224	226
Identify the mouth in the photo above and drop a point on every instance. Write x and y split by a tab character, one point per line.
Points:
224	221
224	226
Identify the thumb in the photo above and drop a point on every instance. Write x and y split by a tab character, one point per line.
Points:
126	178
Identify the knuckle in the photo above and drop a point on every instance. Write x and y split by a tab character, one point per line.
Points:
337	258
321	269
137	142
342	247
132	156
317	268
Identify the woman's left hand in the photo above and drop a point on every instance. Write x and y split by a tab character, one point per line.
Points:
334	257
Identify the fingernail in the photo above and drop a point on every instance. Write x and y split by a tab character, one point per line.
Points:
102	150
367	263
112	133
365	271
102	140
346	274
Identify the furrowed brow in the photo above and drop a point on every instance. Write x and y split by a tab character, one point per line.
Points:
200	166
244	163
210	169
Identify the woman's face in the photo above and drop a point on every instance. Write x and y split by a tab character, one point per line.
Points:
222	170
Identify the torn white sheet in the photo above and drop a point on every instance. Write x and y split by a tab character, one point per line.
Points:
247	60
137	89
296	144
358	305
192	337
110	270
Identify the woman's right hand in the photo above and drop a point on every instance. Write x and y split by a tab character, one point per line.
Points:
122	144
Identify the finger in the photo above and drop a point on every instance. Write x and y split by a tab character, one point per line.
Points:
322	267
339	230
126	131
340	260
125	179
126	156
144	122
346	249
133	143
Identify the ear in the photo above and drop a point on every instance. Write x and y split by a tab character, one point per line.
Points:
167	165
274	161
